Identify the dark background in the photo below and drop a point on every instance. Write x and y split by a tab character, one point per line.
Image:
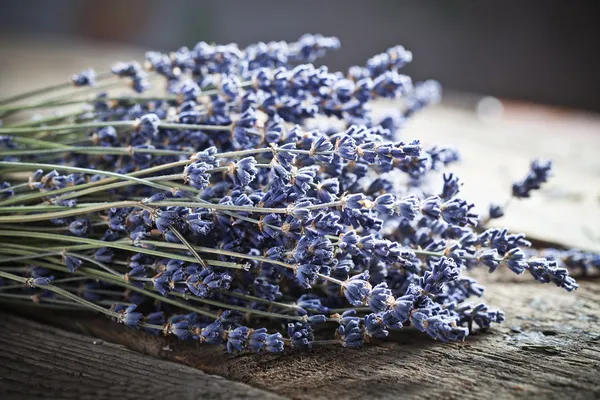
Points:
543	51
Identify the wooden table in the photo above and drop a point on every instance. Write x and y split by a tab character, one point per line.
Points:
549	347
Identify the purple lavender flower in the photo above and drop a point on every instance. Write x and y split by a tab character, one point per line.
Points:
457	212
316	319
197	174
489	258
306	274
127	69
394	58
346	148
479	315
80	227
385	204
357	289
104	254
500	240
328	189
439	327
408	207
180	328
496	211
128	316
39	281
390	84
155	318
147	126
538	174
380	298
350	332
310	47
86	77
236	339
375	326
244	171
442	272
451	186
274	343
212	333
431	207
515	260
320	149
71	262
403	306
301	335
545	271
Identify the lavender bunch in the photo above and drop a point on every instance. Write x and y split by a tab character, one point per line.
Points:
215	211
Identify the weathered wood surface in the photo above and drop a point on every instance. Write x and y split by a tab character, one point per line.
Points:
39	361
548	348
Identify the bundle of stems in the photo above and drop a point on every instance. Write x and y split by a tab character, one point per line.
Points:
256	200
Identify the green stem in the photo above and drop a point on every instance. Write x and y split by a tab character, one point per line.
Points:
209	250
48	120
116	185
28	209
325	205
29	303
120	246
36	300
199	299
29	257
74	211
115	124
112	279
215	303
95	262
14	187
59	149
108	278
47	89
61	292
44	144
31	196
84	209
236	255
65	280
85	171
259	300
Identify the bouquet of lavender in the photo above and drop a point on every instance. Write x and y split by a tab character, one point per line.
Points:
257	203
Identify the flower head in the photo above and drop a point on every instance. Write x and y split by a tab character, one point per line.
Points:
244	171
539	173
357	289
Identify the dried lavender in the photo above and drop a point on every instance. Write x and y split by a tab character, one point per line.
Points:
180	212
539	173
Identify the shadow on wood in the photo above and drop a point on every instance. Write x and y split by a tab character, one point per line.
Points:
39	361
549	347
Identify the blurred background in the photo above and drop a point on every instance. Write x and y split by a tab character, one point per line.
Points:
541	51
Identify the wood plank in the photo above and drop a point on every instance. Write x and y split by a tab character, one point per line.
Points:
39	361
549	347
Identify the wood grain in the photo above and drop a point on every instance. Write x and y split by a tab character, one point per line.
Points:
549	347
39	361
